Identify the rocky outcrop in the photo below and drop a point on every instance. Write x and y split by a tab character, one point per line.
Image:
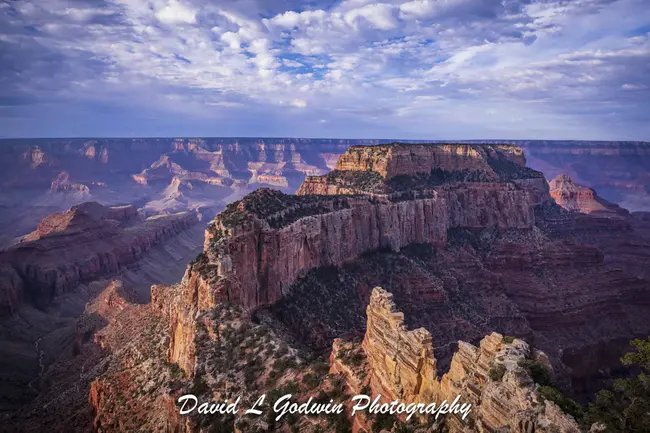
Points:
492	377
255	261
82	217
399	160
62	183
162	170
85	243
193	296
35	157
512	400
257	256
402	361
617	170
263	243
576	198
400	168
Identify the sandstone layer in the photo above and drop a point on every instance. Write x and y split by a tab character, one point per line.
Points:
398	159
82	244
576	198
262	244
401	365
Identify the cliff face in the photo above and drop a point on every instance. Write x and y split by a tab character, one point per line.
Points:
576	198
617	170
85	243
397	160
262	244
401	365
402	362
255	262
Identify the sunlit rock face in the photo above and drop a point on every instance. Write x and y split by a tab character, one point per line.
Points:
379	197
576	198
401	365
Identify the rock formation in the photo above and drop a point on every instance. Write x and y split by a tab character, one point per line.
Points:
576	198
617	170
260	245
62	183
491	377
466	238
396	160
402	361
82	244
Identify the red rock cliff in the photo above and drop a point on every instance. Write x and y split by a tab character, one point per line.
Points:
401	365
576	198
87	242
260	245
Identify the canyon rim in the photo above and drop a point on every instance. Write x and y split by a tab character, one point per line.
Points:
410	272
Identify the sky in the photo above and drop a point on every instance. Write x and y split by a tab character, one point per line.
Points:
417	69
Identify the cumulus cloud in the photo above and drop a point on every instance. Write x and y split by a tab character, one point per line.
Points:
409	68
175	12
378	15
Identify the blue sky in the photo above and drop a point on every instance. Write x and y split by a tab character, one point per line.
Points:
420	69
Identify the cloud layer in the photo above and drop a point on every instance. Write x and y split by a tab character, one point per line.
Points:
357	68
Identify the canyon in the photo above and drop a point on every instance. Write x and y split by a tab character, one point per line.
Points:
43	176
469	243
161	175
49	275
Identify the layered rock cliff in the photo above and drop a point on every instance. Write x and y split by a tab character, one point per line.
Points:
398	159
495	377
262	244
85	243
459	246
576	198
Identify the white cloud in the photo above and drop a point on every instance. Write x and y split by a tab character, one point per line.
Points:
175	12
628	86
292	63
449	60
290	19
379	15
417	9
232	39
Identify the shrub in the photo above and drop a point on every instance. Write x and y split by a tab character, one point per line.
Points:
567	405
310	380
199	386
537	371
383	421
496	372
624	407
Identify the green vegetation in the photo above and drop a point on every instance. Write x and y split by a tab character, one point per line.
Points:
278	209
437	177
508	339
626	406
351	355
199	386
567	405
366	181
215	232
496	372
383	421
310	380
537	371
508	170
